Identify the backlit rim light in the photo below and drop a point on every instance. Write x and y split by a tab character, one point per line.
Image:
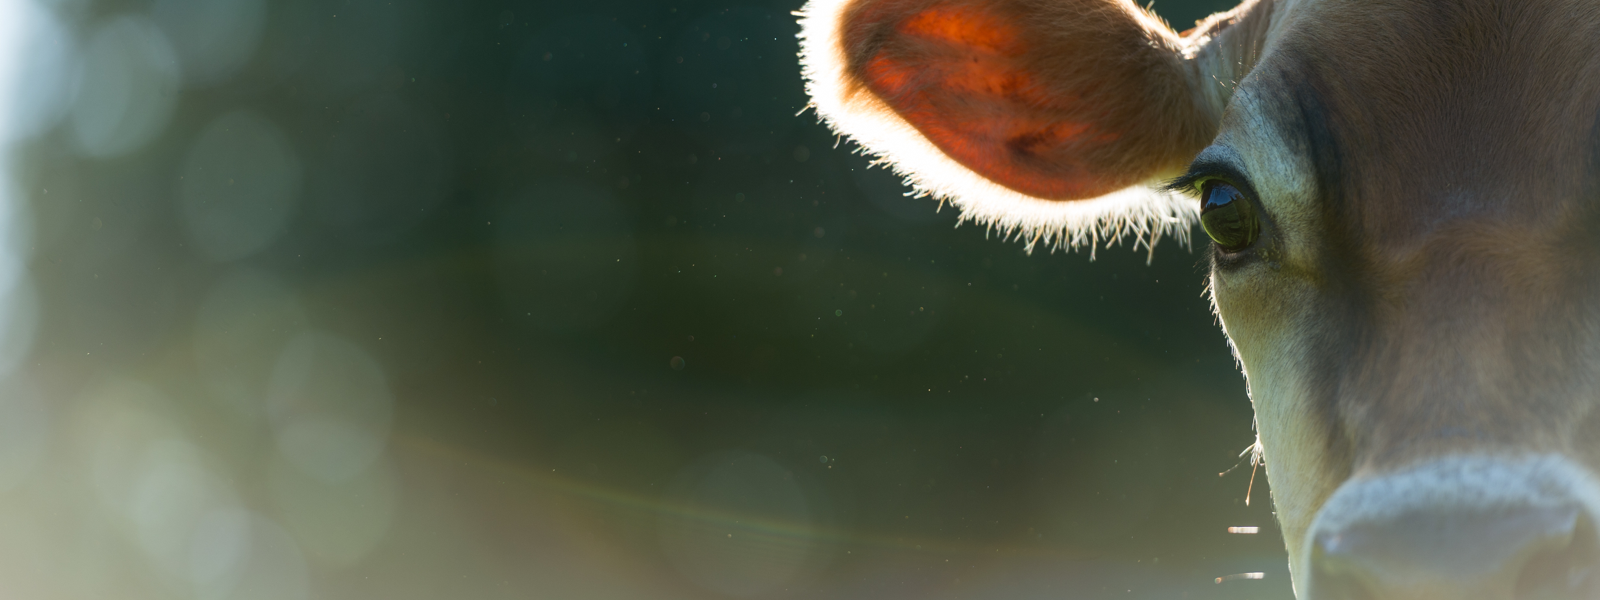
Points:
1142	211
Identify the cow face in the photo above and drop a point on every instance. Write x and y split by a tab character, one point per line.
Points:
1405	247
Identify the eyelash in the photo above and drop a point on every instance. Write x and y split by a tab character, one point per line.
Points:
1193	184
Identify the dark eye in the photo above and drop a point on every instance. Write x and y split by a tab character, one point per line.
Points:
1228	217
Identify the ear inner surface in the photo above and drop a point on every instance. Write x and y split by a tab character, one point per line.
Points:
1052	103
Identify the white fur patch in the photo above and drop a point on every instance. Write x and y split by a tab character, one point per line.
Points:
1146	213
1471	483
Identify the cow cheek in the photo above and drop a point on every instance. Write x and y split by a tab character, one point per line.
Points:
1264	315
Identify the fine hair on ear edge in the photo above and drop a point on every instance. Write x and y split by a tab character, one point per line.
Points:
1145	212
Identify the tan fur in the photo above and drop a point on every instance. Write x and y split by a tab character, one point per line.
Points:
1441	299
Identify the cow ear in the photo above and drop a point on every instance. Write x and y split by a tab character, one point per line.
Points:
1041	118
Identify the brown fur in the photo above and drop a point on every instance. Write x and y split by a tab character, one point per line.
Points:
1462	220
1059	100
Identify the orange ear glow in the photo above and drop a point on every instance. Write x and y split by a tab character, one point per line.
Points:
962	75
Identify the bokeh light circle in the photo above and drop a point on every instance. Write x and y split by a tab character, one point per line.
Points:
337	523
127	88
25	431
238	186
242	324
39	58
330	406
212	38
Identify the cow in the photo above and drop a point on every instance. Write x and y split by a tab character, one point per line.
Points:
1403	204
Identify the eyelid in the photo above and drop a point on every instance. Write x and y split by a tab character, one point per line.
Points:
1215	162
1193	183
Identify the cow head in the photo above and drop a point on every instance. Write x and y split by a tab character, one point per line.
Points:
1404	212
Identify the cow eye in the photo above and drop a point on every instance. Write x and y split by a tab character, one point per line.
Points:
1228	216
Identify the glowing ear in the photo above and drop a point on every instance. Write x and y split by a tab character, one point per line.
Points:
1042	119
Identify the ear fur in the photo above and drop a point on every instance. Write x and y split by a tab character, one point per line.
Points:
1104	66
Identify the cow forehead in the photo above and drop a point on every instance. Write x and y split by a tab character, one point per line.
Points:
1427	114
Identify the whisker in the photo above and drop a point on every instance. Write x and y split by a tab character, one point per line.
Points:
1252	486
1241	576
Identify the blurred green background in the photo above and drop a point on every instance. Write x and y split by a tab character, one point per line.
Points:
407	299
